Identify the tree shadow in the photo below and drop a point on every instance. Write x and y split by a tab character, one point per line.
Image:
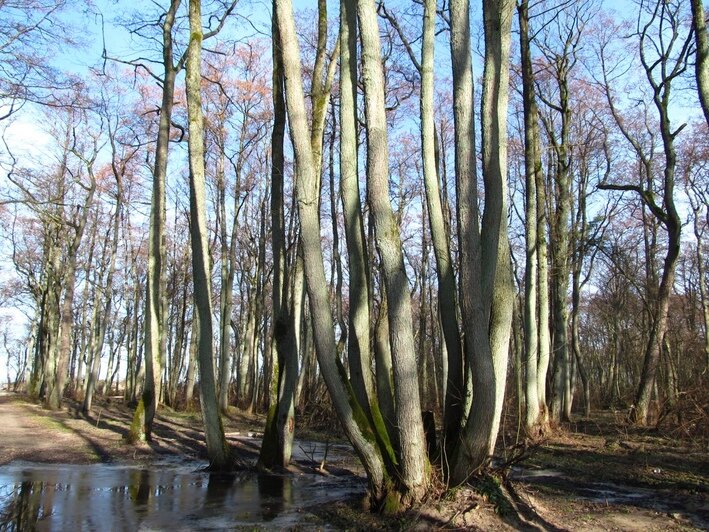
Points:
645	477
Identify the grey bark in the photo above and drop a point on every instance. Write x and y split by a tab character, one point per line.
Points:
701	65
155	340
278	437
532	165
358	338
453	409
217	448
412	459
307	196
487	291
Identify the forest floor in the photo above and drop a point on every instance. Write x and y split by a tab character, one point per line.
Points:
596	474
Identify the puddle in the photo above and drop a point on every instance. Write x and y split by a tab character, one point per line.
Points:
166	496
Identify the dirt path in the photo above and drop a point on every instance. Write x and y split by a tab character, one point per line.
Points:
31	433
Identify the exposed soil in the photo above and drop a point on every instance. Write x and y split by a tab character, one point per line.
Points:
594	475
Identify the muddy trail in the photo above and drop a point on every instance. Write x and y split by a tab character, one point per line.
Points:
62	470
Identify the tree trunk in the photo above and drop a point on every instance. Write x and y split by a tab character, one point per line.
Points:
453	409
699	25
217	448
307	193
155	293
358	339
278	435
475	332
487	290
532	166
413	460
190	378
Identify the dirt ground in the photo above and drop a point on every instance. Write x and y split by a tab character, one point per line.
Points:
595	475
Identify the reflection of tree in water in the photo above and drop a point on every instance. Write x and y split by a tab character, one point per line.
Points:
275	491
140	486
22	509
218	488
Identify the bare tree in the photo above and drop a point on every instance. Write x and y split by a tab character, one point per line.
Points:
217	448
664	44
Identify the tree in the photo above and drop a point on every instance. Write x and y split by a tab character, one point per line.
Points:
155	306
348	411
532	167
217	448
31	34
278	436
663	47
486	287
560	46
454	401
121	159
701	65
156	303
358	322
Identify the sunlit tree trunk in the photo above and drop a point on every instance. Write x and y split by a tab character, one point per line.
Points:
532	165
498	287
191	362
358	339
487	291
155	340
348	411
279	432
217	448
467	205
413	460
701	65
453	409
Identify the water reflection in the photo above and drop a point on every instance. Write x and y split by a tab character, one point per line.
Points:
139	487
103	497
275	492
21	509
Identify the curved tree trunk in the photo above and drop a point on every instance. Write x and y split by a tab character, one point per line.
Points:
453	409
217	448
412	459
358	338
278	435
468	210
487	291
141	427
348	411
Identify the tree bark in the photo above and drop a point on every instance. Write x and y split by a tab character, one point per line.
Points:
307	198
532	165
486	287
278	436
217	448
413	460
701	65
358	339
453	409
155	295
